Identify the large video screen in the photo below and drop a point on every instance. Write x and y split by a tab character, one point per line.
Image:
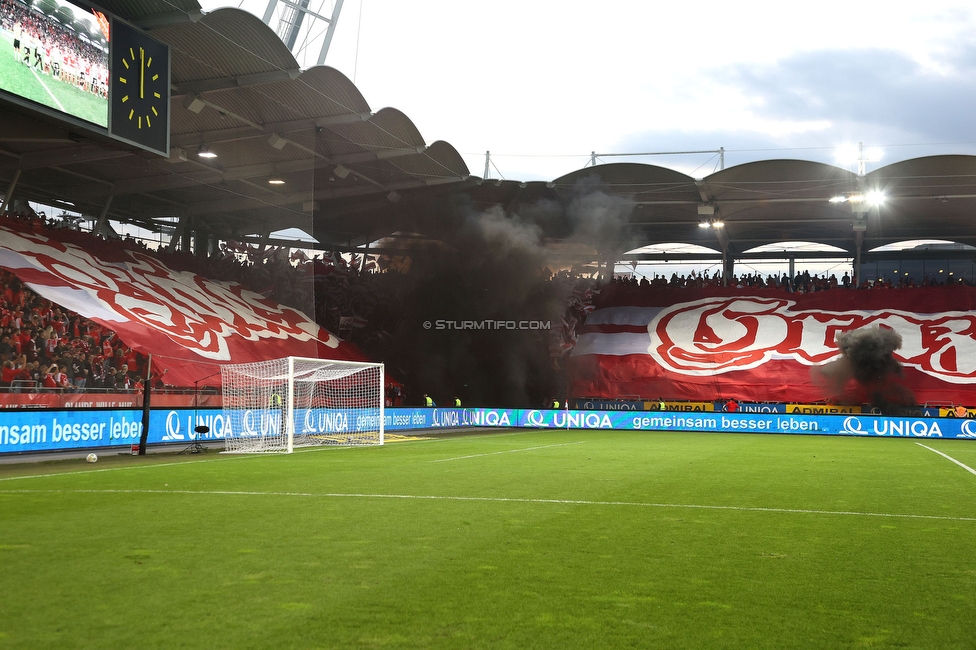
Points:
55	53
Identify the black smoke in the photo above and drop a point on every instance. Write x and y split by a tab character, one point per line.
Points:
868	371
489	264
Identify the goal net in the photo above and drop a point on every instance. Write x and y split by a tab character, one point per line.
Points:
277	405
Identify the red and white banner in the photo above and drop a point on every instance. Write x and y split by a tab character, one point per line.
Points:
191	325
760	345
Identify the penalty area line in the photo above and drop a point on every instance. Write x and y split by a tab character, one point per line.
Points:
435	497
948	457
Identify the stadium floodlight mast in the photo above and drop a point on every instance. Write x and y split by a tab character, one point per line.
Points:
291	20
280	404
848	154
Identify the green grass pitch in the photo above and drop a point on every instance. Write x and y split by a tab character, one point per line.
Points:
531	539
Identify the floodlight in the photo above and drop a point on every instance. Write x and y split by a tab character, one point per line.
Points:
847	153
838	199
341	171
277	141
204	152
193	103
274	179
875	197
704	224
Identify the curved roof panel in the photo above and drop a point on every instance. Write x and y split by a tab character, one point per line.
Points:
637	181
782	180
238	90
141	10
226	43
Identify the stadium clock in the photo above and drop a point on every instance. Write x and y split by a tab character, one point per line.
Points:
139	88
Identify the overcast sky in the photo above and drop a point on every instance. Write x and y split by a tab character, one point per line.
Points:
542	84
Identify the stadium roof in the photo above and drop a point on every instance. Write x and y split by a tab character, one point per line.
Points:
352	175
791	200
237	90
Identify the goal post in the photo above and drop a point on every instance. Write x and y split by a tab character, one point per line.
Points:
280	404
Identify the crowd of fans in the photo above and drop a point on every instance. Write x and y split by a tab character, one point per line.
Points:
43	347
802	282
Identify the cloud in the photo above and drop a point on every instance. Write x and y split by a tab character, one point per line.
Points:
806	104
883	90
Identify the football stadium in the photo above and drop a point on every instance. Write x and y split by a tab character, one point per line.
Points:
278	371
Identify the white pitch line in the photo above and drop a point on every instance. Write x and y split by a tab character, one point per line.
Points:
224	457
44	86
434	497
507	451
116	469
947	457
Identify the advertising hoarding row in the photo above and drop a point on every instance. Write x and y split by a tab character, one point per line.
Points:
46	430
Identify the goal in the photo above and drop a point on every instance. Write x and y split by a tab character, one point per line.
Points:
277	405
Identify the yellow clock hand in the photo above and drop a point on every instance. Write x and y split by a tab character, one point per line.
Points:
142	73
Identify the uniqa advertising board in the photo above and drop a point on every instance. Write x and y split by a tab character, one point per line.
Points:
48	430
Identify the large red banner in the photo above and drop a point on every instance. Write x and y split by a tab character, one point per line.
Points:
190	324
761	344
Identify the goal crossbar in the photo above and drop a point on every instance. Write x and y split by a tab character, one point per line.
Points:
280	404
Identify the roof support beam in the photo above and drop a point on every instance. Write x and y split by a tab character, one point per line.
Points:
241	81
168	18
69	156
157	183
10	191
246	132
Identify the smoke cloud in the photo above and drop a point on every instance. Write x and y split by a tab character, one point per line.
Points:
867	370
490	265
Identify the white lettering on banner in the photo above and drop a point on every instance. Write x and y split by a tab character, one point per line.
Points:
718	335
968	429
124	429
255	424
201	315
24	434
395	420
217	426
675	422
536	419
172	430
449	418
490	419
887	427
82	431
609	406
325	421
580	420
758	408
